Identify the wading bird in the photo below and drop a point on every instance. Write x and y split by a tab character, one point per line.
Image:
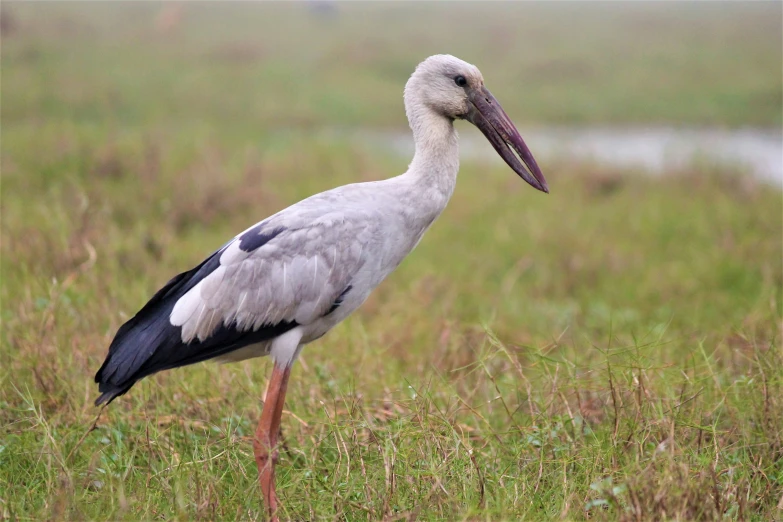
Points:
292	277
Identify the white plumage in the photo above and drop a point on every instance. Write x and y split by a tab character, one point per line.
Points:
350	236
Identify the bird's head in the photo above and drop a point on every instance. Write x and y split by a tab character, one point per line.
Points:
455	89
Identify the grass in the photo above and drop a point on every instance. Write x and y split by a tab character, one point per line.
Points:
280	65
611	351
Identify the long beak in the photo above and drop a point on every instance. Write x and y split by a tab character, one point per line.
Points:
487	114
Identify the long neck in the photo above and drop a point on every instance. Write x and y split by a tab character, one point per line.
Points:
436	160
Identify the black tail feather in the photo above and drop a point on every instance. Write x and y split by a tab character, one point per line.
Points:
110	395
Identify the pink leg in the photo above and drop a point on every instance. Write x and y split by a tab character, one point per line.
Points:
265	441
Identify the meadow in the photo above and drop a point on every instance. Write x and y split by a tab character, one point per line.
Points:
610	351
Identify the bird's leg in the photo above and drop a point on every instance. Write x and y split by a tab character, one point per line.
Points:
265	441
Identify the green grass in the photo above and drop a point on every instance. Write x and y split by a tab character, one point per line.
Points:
610	351
278	65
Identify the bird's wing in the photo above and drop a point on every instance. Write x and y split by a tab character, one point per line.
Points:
288	270
272	274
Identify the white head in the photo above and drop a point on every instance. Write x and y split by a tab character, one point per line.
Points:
445	86
433	85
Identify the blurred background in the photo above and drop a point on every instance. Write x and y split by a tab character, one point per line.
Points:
138	136
637	84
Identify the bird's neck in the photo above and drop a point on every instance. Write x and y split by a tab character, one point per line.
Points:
436	160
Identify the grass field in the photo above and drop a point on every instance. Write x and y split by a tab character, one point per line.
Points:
610	351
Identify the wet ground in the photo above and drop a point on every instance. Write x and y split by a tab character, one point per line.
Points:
758	152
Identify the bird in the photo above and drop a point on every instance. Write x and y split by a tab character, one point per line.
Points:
289	279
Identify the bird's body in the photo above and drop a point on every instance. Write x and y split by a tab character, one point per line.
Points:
294	275
289	279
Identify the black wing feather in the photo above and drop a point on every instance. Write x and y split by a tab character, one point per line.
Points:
149	343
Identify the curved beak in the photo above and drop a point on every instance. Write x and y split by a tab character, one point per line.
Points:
487	114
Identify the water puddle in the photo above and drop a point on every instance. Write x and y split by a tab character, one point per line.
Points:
758	152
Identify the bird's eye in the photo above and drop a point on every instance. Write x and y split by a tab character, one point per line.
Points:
460	80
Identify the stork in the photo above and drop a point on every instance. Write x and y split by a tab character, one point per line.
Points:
292	277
